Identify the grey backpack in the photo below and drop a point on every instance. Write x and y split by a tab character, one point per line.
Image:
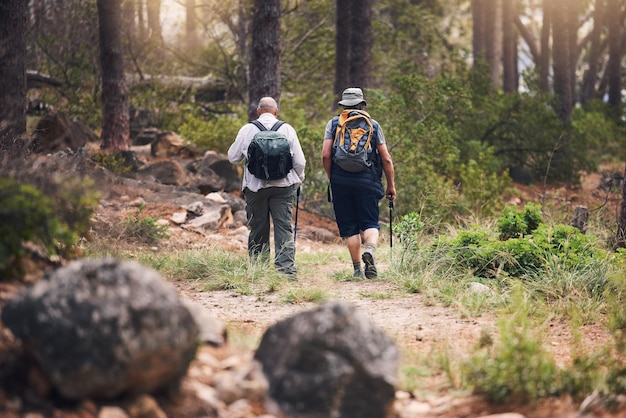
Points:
269	154
352	147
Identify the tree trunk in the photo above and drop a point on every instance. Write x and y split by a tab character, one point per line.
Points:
479	43
544	63
590	78
13	29
573	11
360	42
510	74
115	119
561	56
493	29
266	48
620	239
190	24
154	19
614	24
342	47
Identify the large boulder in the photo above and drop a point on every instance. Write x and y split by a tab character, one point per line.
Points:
331	361
104	328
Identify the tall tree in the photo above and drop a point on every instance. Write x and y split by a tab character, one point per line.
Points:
115	118
154	19
487	35
266	49
545	50
13	25
562	56
590	77
615	36
342	46
360	42
510	74
353	44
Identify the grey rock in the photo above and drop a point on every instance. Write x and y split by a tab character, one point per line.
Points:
331	361
102	328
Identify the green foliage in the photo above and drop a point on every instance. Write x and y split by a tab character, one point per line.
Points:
482	187
408	228
525	249
115	162
519	223
28	215
517	367
140	228
215	133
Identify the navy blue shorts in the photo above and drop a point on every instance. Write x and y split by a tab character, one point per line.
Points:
356	209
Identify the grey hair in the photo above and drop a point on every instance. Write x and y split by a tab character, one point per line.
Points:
267	103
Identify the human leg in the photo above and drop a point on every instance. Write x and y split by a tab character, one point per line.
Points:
344	206
257	212
368	222
281	209
370	238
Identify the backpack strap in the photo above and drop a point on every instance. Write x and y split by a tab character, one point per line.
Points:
277	125
262	127
259	125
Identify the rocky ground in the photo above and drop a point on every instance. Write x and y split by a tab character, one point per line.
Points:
220	375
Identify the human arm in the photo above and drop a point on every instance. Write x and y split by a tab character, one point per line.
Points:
327	155
327	148
238	149
387	164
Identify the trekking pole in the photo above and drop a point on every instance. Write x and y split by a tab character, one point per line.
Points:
295	226
391	226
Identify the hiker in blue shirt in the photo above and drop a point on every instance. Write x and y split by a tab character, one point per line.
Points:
356	194
265	198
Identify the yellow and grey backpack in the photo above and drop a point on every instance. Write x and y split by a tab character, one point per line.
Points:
352	147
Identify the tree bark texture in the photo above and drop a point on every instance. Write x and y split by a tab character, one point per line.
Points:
115	118
266	48
562	60
545	51
510	76
590	78
615	26
620	239
342	46
493	36
154	19
13	29
479	43
360	43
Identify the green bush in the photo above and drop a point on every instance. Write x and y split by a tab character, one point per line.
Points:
214	133
517	367
524	249
408	228
28	216
519	223
140	228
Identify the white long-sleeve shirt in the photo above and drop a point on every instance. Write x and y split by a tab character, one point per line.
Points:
238	152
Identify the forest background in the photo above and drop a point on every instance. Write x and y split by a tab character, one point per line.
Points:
468	92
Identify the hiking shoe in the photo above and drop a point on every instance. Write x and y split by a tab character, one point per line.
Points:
357	273
370	264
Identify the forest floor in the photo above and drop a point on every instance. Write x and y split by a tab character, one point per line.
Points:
421	329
